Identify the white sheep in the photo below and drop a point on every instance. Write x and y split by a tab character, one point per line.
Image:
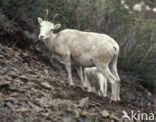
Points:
95	81
87	49
147	8
124	4
138	7
154	9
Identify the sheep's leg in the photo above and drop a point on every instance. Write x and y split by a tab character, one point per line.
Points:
68	68
106	72
89	88
83	83
101	83
93	89
80	73
118	90
113	68
105	86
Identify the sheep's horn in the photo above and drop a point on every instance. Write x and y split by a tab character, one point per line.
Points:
46	16
56	15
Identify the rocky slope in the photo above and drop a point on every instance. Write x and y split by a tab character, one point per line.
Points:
33	90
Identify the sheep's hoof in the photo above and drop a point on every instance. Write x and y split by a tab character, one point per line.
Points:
89	90
71	84
118	99
100	93
104	94
112	100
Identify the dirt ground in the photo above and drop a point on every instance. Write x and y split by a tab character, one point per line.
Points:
34	90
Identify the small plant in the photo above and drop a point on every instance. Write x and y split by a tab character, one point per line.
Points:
23	70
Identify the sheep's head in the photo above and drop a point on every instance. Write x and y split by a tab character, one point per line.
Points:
47	27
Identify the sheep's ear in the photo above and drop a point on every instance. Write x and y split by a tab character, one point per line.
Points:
57	26
40	20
